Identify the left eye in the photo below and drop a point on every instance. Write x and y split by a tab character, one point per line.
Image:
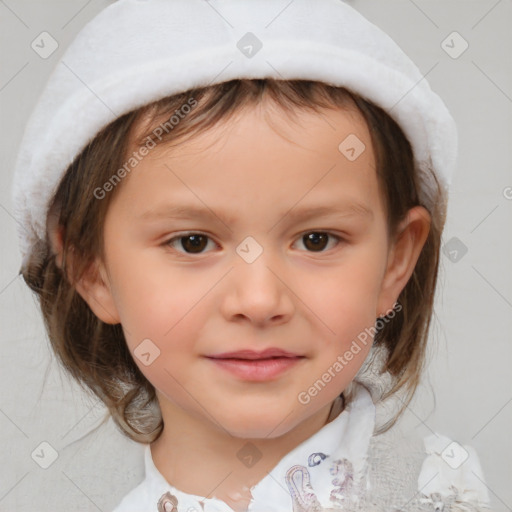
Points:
316	241
195	243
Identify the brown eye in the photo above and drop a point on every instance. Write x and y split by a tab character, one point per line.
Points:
190	243
193	243
316	241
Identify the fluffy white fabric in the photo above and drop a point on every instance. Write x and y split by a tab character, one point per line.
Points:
138	51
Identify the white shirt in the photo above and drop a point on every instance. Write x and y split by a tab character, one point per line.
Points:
327	470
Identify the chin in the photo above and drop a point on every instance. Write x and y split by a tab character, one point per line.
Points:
257	426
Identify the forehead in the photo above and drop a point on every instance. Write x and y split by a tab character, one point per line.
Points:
266	109
265	156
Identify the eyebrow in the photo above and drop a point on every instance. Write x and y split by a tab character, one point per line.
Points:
194	212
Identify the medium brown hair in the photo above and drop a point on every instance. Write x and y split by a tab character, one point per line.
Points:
96	354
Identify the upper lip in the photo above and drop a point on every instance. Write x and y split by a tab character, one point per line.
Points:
253	354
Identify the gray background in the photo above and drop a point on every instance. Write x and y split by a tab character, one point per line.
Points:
467	392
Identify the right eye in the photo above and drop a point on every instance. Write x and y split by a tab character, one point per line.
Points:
189	243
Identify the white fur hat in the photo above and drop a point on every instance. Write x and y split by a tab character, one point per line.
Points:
138	51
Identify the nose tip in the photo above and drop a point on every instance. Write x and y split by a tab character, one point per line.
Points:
256	292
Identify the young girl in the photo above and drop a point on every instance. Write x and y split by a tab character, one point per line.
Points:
231	212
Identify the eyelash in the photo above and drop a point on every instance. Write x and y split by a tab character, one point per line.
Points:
168	243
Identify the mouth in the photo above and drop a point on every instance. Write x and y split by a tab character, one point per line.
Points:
256	366
247	354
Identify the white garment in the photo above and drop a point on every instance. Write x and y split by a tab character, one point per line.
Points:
343	466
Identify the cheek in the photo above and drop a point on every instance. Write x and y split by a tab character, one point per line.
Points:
154	309
159	303
344	302
160	323
344	299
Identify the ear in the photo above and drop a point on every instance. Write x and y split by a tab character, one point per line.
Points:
94	284
403	254
95	288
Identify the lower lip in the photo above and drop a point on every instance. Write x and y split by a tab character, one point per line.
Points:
257	369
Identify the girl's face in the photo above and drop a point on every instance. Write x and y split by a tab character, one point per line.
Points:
257	234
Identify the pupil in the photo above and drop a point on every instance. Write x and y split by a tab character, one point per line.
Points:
193	242
318	240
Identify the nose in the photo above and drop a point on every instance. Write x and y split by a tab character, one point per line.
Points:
258	292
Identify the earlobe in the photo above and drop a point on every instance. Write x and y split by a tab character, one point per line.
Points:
403	256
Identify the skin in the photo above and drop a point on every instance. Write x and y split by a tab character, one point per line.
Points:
254	169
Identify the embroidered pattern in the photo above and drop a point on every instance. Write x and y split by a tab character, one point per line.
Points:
168	503
343	471
316	458
303	497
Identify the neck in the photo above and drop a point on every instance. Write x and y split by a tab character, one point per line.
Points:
202	459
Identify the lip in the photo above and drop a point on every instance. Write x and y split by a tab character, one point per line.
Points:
253	354
254	366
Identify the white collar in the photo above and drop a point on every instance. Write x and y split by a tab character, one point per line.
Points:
321	470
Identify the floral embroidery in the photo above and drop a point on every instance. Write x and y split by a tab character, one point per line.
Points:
168	503
343	471
316	458
303	497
